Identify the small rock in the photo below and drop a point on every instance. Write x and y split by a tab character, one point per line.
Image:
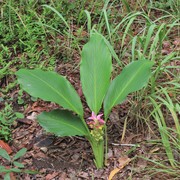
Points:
44	149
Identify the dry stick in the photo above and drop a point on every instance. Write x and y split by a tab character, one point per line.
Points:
132	145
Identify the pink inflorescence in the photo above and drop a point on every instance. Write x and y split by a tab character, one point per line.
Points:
96	121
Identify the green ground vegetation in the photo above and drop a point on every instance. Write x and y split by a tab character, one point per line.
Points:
41	34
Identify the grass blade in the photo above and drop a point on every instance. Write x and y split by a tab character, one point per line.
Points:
59	14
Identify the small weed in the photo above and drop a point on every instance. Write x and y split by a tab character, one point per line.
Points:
7	118
14	166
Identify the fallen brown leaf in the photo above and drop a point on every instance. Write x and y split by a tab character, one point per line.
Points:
51	176
123	161
5	146
113	173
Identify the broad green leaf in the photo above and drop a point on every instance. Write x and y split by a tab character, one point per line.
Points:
7	176
20	153
50	86
95	71
17	164
62	123
132	78
16	170
2	168
5	170
4	154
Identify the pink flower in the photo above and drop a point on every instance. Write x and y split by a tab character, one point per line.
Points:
96	122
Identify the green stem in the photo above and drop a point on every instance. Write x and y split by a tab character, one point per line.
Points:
106	140
106	144
97	147
98	150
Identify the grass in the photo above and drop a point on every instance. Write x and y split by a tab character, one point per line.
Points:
42	35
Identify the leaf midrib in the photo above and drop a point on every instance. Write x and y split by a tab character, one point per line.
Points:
69	125
57	93
95	103
126	85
